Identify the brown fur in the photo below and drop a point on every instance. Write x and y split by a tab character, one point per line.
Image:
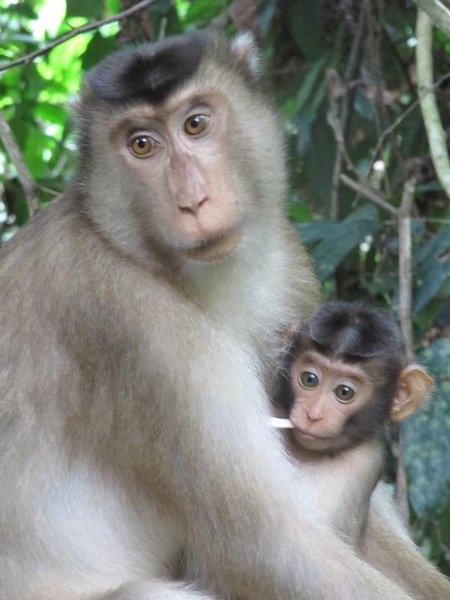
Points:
134	418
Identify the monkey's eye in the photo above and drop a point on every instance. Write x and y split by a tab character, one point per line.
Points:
196	124
142	145
344	393
308	379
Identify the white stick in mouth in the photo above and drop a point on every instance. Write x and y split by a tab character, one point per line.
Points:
281	423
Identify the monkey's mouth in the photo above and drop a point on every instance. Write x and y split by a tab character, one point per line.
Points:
311	441
307	435
215	248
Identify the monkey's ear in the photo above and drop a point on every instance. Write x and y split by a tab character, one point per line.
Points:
246	52
415	385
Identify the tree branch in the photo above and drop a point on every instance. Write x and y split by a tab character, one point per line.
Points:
437	12
369	193
401	479
341	153
26	181
405	265
399	120
437	140
404	315
71	34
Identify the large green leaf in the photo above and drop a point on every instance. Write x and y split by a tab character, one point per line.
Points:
426	436
314	75
337	238
432	269
306	24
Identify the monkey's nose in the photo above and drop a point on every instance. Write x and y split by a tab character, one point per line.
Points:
192	207
313	415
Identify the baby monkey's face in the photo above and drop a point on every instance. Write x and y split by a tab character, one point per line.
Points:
326	394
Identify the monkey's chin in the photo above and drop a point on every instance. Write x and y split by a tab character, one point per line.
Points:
215	249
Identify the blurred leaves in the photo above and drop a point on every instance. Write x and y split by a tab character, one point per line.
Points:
432	268
331	241
426	437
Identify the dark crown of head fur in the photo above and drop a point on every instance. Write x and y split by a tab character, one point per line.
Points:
148	72
354	331
151	72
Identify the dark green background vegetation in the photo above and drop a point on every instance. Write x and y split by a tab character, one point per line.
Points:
338	67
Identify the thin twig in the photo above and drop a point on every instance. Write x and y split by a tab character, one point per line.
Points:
405	265
401	481
26	180
334	120
399	120
74	32
381	115
341	152
404	314
369	193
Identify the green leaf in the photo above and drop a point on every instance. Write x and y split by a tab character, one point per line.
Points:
202	11
364	106
304	123
337	238
314	73
51	113
266	13
306	25
85	8
98	48
426	437
299	211
433	268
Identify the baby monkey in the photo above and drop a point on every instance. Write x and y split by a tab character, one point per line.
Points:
346	375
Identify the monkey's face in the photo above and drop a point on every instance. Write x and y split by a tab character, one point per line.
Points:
178	157
187	170
327	394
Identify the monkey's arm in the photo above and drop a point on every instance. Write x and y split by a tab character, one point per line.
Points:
388	547
351	474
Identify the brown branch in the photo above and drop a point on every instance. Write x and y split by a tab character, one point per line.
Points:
401	480
404	314
334	89
374	196
343	118
26	181
405	265
399	120
74	32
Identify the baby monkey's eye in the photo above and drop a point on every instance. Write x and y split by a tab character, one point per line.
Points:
142	145
344	393
308	379
196	124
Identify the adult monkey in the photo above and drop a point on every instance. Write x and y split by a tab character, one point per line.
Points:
168	264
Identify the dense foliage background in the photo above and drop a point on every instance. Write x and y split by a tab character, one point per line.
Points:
346	80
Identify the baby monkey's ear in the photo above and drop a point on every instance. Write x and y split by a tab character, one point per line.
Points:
415	385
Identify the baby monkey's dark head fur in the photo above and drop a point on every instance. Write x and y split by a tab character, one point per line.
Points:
354	333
